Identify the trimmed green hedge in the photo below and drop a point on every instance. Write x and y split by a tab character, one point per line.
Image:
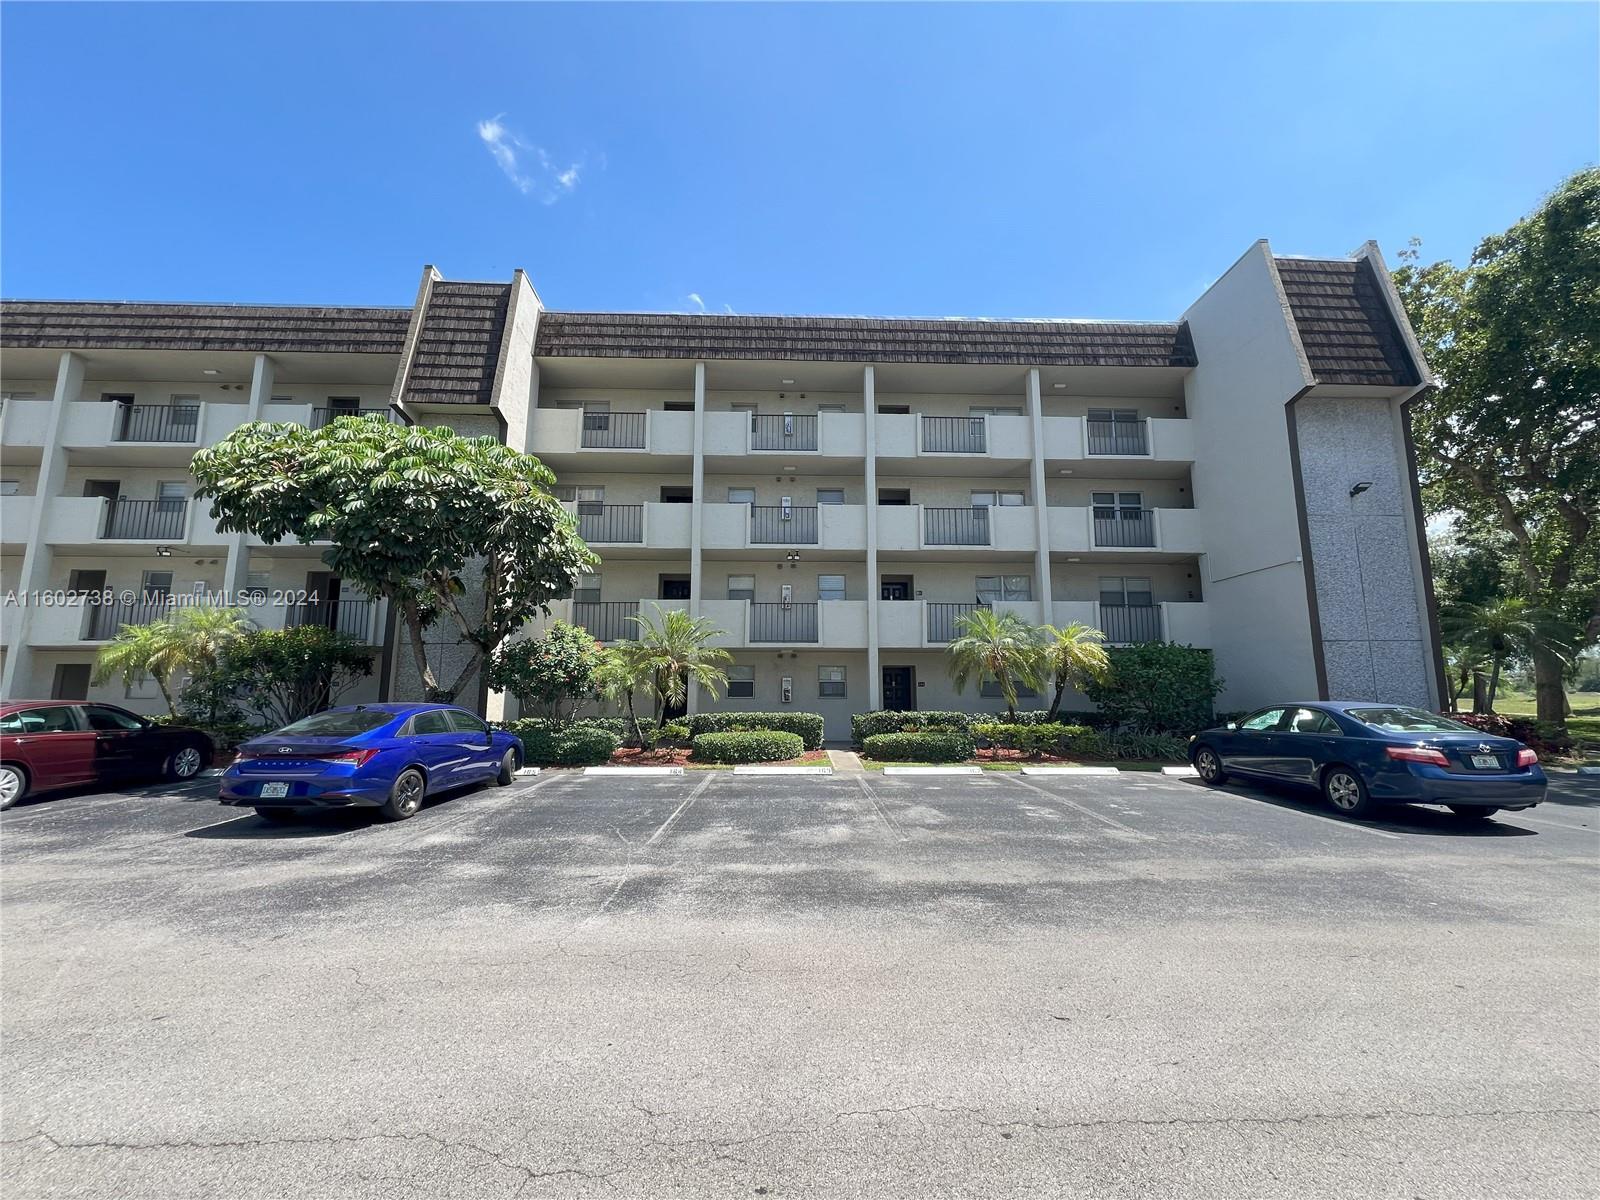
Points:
614	725
808	726
870	724
565	745
948	746
1079	741
1042	738
748	746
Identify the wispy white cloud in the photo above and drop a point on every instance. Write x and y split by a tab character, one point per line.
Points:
530	168
694	299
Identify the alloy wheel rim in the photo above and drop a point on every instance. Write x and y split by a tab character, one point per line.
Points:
10	785
410	793
1342	790
187	762
1208	764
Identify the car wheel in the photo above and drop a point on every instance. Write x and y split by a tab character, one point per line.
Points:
508	768
13	784
1347	792
405	797
1209	766
1473	812
185	763
275	814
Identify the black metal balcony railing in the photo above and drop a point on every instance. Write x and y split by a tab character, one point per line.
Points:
157	423
783	433
1124	624
1118	437
105	620
1124	527
953	435
956	526
774	523
944	620
608	620
611	522
321	417
353	616
783	622
145	519
614	430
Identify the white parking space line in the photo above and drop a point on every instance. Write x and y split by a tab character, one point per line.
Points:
666	826
872	799
1088	812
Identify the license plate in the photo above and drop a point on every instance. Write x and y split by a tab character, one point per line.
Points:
1485	762
274	791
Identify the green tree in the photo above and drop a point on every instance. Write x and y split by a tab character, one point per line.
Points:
995	646
281	675
140	652
1160	687
1508	439
1073	655
552	671
674	650
202	633
413	513
619	674
1503	630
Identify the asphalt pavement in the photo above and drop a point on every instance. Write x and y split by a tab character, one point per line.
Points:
712	985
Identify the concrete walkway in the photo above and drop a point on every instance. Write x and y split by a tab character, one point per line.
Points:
844	760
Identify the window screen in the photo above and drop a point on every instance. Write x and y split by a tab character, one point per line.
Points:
830	587
741	587
830	681
741	681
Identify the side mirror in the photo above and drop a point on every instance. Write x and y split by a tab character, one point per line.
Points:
1233	725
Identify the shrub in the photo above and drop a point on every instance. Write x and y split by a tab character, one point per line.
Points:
951	745
1041	738
1540	735
554	670
748	746
1160	687
546	744
281	675
867	724
807	725
675	731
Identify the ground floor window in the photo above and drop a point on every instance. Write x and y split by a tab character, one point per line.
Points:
994	588
741	681
830	681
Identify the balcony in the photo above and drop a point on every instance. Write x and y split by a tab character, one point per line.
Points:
614	430
782	525
620	523
106	620
562	431
1124	528
142	520
906	529
24	423
944	620
1126	624
156	423
1118	437
1187	622
783	432
355	618
1164	530
323	417
788	623
1159	440
955	526
954	435
608	620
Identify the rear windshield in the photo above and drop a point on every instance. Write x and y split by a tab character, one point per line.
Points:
335	723
1408	720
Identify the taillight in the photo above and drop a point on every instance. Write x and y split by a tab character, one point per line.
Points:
1526	758
1419	754
357	757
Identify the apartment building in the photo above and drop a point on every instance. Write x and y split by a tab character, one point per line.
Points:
833	494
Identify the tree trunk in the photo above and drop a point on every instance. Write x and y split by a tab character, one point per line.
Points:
166	694
1055	704
1480	692
1549	690
1494	683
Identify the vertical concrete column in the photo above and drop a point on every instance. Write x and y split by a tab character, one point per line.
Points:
696	516
37	556
869	396
263	378
1041	508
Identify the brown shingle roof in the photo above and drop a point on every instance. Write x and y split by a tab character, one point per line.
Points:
863	339
458	346
1348	331
91	325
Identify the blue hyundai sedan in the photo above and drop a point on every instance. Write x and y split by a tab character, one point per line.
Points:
1361	755
390	757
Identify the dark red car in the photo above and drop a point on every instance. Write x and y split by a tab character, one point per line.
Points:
49	744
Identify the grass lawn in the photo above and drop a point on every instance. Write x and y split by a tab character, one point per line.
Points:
1584	723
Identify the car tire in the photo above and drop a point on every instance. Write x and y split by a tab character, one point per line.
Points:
405	797
276	815
1472	812
1346	792
185	764
508	769
1208	765
13	784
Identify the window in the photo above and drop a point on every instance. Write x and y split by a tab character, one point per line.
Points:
9	487
830	408
156	585
1129	506
994	588
186	412
587	590
1128	416
339	722
56	718
741	681
1267	718
1118	590
678	406
171	496
741	495
830	587
894	410
18	396
830	496
991	690
435	720
142	689
588	497
741	587
465	722
998	499
101	717
830	681
1309	720
257	584
344	406
995	412
84	580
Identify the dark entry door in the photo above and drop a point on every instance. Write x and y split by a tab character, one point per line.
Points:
899	690
674	588
896	589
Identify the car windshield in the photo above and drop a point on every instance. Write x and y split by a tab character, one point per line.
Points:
1408	720
338	723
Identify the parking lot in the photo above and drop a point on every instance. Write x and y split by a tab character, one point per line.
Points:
721	985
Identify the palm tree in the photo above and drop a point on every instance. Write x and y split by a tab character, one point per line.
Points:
1502	630
619	673
201	633
1461	665
1072	656
674	649
141	652
1001	647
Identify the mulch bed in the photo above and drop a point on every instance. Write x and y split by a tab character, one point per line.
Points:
679	757
996	755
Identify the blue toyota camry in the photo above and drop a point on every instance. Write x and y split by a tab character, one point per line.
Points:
385	756
1361	755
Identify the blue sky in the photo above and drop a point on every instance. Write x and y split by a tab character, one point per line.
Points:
1092	161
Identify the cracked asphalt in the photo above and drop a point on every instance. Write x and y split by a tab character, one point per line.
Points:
723	986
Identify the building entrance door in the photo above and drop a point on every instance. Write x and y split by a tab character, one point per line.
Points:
899	689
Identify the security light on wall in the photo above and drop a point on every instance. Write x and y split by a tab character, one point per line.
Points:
163	551
1359	488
